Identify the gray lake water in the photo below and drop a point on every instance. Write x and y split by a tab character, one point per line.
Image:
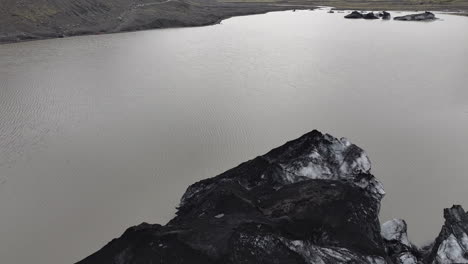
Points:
99	133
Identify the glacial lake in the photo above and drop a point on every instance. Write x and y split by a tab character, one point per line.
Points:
99	133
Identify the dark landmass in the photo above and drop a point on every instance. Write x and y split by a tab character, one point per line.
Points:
312	200
22	20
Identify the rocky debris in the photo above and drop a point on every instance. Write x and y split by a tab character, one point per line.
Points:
417	17
370	15
451	246
385	15
311	201
331	11
354	15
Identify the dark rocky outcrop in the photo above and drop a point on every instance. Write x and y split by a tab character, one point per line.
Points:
354	15
417	17
312	200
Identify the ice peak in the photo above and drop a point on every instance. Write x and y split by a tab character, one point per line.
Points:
396	229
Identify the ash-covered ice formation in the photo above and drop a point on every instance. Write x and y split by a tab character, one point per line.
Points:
311	201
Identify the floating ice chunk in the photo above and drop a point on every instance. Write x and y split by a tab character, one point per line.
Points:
395	229
450	252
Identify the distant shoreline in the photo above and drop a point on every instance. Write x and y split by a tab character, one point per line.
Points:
32	25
